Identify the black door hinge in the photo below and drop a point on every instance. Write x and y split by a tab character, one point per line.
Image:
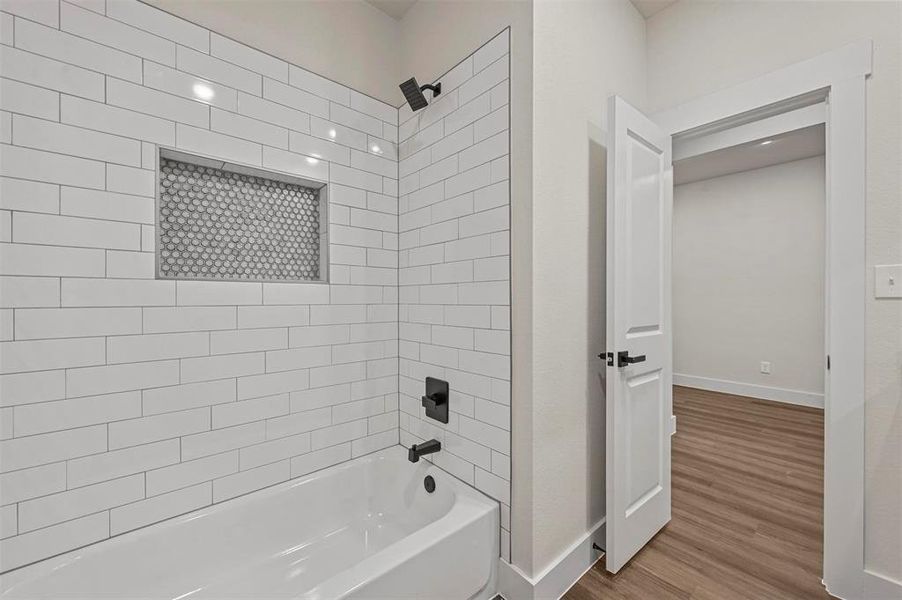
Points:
828	362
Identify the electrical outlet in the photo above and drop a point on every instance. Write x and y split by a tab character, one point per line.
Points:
765	367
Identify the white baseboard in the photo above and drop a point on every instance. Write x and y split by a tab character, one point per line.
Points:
553	581
751	390
868	586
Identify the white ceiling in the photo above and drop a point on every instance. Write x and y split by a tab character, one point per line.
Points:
793	145
650	7
393	8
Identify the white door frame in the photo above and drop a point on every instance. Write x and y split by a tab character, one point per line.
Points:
839	77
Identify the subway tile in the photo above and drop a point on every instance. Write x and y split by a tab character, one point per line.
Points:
115	34
452	144
118	121
321	397
249	58
468	113
272	112
49	510
27	99
222	440
88	381
298	358
25	388
384	422
160	23
319	148
275	450
212	293
128	180
493	485
77	51
139	348
36	545
337	434
45	417
42	11
315	461
318	85
495	341
501	465
485	434
184	318
252	480
485	80
119	463
17	486
19	292
159	104
163	78
35	450
248	411
48	73
117	292
52	230
372	443
130	265
367	161
295	164
358	409
354	119
484	292
338	134
468	181
250	340
251	317
254	386
43	355
49	167
187	396
165	506
134	432
355	178
485	151
33	196
219	367
80	202
331	375
299	337
299	422
208	67
295	98
186	474
374	108
496	123
217	145
490	52
247	128
6	29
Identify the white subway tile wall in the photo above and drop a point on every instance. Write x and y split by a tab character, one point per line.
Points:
124	400
454	271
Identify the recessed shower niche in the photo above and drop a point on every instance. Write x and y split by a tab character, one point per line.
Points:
220	221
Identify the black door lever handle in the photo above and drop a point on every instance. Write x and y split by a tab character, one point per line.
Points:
624	358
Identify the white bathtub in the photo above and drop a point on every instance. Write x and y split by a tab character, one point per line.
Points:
363	529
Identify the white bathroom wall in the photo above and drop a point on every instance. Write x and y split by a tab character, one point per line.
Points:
584	52
126	400
748	281
695	48
454	299
348	41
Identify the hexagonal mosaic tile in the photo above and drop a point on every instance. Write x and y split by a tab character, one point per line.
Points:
215	224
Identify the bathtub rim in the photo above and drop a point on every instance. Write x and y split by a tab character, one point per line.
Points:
465	493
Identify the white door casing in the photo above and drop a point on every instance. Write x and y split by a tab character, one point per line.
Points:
639	395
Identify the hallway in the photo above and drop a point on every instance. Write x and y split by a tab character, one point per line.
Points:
747	507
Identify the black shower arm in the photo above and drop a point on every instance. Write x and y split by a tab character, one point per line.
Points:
436	88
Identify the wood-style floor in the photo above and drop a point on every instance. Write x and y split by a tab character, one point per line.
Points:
747	507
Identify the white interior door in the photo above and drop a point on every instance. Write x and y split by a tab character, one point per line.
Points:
639	397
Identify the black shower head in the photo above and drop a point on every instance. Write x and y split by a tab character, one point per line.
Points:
413	92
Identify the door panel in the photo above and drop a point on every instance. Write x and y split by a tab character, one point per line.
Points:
638	394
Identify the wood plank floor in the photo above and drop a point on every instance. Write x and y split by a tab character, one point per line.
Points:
747	507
